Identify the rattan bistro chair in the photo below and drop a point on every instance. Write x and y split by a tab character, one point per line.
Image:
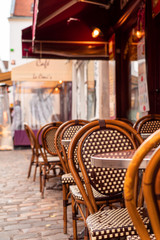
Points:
151	187
148	124
150	197
35	150
66	131
99	137
51	165
39	158
58	144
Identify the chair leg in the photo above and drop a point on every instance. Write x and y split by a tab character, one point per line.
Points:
40	177
86	233
30	166
65	202
35	170
43	180
74	219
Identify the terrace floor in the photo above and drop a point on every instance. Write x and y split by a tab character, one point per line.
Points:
23	213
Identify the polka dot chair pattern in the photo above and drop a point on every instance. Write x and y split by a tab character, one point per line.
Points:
68	134
149	126
105	180
136	237
77	194
113	224
148	123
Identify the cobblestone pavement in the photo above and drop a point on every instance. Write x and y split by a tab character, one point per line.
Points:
23	214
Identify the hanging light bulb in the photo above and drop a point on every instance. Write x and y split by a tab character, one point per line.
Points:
139	34
96	32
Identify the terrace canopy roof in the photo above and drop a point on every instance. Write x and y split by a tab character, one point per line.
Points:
63	28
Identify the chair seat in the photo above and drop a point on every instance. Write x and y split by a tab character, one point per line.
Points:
136	237
49	159
77	195
67	178
114	223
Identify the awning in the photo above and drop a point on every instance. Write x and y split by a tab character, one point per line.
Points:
27	46
64	28
5	78
47	13
43	70
27	43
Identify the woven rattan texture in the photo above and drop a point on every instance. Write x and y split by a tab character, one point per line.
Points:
49	140
105	180
76	193
136	237
150	126
69	134
113	224
70	131
59	142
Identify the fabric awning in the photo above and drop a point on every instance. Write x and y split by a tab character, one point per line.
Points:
63	28
5	78
27	46
43	70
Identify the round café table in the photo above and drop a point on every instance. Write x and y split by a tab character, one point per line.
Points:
65	142
117	159
145	135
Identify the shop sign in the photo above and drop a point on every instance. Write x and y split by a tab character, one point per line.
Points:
155	7
43	70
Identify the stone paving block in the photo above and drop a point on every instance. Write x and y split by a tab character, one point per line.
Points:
29	214
26	236
15	219
34	229
39	216
56	237
10	234
8	207
16	226
4	236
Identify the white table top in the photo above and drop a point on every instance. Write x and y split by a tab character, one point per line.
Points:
145	135
66	141
118	159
